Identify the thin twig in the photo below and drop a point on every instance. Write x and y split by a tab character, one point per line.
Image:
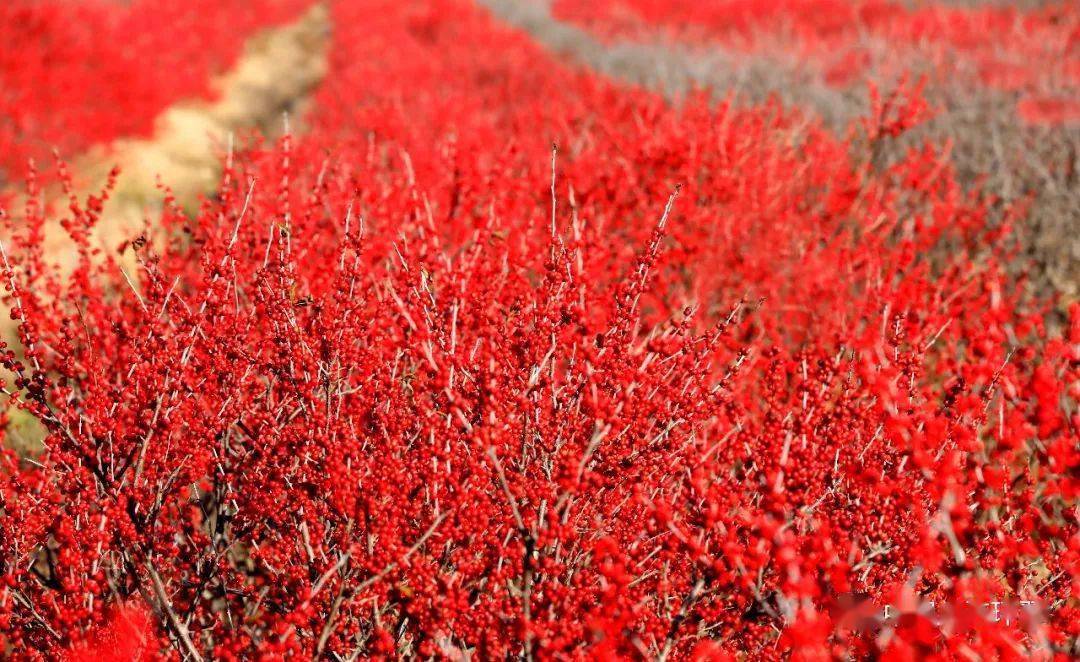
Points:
174	622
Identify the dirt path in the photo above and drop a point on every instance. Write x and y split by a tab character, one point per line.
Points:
274	76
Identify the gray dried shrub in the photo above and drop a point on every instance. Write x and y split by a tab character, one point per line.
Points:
990	147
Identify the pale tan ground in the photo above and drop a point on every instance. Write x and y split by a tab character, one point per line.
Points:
271	80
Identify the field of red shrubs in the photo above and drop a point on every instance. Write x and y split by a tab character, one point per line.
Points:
1035	53
498	358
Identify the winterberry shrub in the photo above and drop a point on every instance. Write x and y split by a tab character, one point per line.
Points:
697	382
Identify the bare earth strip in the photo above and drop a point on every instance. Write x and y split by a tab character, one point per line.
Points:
990	147
274	76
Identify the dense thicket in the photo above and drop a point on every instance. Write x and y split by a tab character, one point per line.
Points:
695	381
